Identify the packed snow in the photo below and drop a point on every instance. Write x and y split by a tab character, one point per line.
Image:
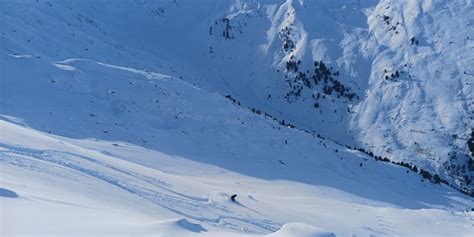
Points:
135	119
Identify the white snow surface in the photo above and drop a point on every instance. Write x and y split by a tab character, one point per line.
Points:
237	47
113	119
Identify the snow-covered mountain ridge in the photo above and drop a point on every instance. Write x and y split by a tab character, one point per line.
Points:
400	85
175	105
422	83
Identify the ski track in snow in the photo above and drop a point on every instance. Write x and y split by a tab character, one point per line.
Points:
386	226
146	187
411	118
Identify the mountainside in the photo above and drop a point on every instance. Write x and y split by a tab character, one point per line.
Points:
419	106
391	78
324	117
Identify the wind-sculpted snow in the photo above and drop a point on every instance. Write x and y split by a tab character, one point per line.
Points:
235	118
56	174
390	77
302	230
7	193
149	188
149	75
418	107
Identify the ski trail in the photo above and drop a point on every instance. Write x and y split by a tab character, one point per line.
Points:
389	228
152	189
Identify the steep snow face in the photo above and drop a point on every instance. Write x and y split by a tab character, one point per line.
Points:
132	152
297	60
419	105
393	78
114	121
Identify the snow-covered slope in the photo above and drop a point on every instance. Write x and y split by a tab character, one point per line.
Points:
392	78
131	165
394	75
136	118
419	106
